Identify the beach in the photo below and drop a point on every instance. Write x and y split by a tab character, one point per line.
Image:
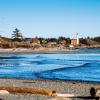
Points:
70	87
30	50
49	49
35	71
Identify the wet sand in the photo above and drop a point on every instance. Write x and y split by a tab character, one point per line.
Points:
70	87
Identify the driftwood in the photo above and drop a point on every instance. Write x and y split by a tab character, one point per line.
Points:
28	90
64	95
3	92
98	92
95	92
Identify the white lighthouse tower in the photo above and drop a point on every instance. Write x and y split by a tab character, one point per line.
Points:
77	39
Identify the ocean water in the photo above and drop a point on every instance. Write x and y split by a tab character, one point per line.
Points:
56	66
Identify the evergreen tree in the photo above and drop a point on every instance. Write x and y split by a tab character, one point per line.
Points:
17	35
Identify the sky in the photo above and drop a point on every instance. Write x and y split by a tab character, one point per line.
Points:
50	18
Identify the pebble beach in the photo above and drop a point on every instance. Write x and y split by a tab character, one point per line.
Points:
69	87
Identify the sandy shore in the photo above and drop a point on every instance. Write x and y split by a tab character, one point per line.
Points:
77	88
40	50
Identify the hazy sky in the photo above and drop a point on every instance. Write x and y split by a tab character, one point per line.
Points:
50	18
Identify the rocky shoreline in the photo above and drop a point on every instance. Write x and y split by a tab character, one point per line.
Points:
70	87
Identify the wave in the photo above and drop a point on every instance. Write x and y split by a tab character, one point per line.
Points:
53	73
65	68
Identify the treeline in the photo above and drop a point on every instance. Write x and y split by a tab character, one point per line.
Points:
90	41
18	40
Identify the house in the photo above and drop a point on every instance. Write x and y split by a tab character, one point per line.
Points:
74	42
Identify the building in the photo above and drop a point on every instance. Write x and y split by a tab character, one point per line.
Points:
77	39
74	42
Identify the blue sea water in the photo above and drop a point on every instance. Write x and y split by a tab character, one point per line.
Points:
84	66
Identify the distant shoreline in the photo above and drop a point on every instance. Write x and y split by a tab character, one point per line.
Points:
41	50
44	50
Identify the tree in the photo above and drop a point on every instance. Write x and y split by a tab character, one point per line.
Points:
60	39
68	40
51	40
17	36
97	39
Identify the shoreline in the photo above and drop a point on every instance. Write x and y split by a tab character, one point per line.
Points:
45	51
51	80
34	51
72	87
56	80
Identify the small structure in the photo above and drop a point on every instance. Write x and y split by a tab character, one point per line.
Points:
77	39
74	42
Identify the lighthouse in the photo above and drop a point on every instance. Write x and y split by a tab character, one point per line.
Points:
77	39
